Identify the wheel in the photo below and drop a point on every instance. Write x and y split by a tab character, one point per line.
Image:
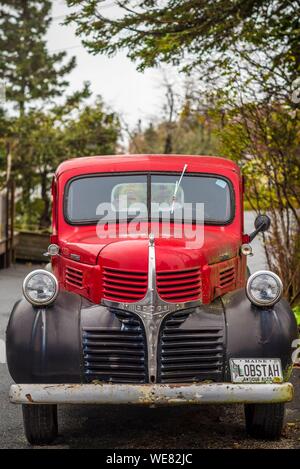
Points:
40	423
264	421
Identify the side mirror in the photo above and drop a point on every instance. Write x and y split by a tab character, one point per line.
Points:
262	223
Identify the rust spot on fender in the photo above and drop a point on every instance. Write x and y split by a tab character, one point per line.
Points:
173	386
29	398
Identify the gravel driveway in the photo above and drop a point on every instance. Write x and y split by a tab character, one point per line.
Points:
137	427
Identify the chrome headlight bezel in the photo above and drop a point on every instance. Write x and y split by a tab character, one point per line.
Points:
44	302
254	300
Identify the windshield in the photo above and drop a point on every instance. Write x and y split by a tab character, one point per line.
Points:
124	197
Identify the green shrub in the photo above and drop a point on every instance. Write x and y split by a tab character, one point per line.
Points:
296	310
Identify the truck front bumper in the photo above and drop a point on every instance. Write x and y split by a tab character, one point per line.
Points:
150	394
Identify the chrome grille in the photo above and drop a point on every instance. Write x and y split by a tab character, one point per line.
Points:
189	355
115	355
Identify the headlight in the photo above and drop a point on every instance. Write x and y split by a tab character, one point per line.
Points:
264	288
40	287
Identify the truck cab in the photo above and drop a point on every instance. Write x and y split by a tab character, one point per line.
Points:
147	299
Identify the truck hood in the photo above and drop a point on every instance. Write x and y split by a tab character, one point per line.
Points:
132	253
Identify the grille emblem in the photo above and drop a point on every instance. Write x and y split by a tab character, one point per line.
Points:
151	310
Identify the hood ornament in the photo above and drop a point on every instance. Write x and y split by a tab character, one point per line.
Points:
152	310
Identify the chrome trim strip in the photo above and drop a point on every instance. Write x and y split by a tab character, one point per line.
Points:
149	394
151	310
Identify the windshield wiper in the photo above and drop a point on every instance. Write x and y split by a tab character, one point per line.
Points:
177	184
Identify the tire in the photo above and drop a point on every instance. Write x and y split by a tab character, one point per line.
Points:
264	421
40	423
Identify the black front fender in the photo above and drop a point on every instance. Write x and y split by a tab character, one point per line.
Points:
43	344
258	332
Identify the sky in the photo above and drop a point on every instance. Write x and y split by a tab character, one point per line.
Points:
133	94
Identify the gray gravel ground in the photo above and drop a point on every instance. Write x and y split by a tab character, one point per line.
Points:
137	427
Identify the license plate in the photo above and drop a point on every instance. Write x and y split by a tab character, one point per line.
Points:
256	370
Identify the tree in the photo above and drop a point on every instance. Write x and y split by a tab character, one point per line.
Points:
94	131
44	139
30	139
39	144
190	33
264	139
30	72
156	32
186	126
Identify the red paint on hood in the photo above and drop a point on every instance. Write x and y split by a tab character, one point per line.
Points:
132	253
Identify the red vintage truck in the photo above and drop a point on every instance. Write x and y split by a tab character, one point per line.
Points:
148	299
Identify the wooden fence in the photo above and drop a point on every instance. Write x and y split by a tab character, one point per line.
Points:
31	246
7	236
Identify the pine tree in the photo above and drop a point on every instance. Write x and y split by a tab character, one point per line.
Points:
28	69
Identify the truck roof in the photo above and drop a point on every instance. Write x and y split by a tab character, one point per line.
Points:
145	162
